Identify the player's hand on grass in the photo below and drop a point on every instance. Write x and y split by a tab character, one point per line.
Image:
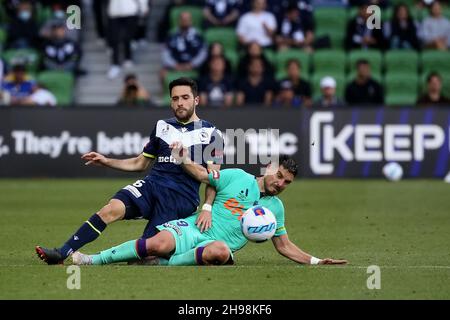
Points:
204	220
332	261
94	158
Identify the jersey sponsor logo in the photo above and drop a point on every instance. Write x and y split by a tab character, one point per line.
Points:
235	207
174	227
167	159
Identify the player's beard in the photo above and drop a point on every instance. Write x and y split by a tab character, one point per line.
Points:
184	114
270	189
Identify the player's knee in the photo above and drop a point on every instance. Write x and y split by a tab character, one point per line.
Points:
159	245
219	253
113	211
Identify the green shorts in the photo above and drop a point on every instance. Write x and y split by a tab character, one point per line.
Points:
187	235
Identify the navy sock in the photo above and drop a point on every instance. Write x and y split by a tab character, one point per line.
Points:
88	232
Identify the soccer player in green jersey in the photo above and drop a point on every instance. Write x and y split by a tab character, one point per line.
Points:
181	242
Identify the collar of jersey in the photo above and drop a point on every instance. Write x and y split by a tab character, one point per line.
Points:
185	123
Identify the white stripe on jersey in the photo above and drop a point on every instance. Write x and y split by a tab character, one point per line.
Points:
169	134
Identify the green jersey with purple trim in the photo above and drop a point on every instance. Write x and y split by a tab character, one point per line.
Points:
237	191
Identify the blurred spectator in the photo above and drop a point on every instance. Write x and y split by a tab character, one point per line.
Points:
123	15
142	25
18	84
60	52
436	29
215	49
58	15
301	88
99	8
185	49
257	25
434	95
328	99
254	50
359	36
380	3
292	33
402	31
40	97
306	12
23	29
220	13
286	96
133	93
164	26
216	88
255	88
10	7
364	90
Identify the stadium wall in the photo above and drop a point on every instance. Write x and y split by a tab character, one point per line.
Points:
349	143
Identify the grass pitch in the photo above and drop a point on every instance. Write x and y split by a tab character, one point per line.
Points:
404	228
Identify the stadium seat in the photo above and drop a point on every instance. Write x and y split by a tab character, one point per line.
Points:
401	61
226	36
327	17
43	13
3	36
196	12
435	61
283	57
400	89
30	57
60	83
329	61
374	57
418	13
340	83
233	56
331	22
337	36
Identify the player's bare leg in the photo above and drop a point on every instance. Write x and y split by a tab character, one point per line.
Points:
88	232
217	253
162	245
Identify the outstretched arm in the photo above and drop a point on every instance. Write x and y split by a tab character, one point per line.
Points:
139	163
288	249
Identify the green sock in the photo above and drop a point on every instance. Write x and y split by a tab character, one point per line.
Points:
188	258
121	253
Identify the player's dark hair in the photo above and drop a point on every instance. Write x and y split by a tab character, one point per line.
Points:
289	164
184	82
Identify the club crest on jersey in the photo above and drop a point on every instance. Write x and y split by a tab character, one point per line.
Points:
203	136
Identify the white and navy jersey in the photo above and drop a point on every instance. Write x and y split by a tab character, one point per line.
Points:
205	144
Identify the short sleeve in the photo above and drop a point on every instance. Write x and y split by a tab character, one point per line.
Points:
152	146
220	179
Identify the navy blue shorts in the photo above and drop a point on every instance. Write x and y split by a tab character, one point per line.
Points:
154	202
